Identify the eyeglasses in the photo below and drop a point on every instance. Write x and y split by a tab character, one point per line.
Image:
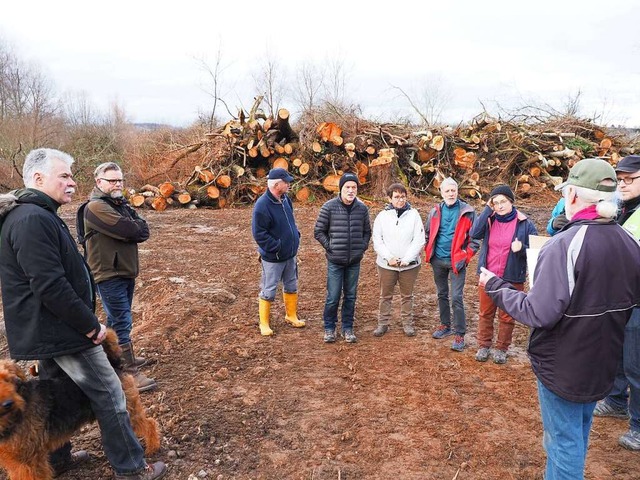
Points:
113	181
501	202
399	197
627	180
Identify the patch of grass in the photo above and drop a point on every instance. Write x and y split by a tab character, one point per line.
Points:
579	143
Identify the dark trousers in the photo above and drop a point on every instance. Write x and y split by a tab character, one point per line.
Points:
341	281
442	273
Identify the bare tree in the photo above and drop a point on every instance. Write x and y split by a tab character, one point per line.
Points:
572	104
216	83
78	110
429	100
335	84
270	82
27	107
310	81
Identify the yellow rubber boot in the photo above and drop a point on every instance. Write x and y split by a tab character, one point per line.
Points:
291	307
265	311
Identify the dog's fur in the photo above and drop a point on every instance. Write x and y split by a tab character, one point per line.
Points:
39	416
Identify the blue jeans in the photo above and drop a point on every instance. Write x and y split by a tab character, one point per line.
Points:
341	280
273	273
566	434
442	271
626	388
117	297
92	372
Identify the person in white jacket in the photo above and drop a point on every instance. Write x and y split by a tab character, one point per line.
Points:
398	239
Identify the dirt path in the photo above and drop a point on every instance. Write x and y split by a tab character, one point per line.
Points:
235	405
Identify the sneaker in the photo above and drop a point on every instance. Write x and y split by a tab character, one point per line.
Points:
605	409
75	459
409	331
499	357
349	336
458	343
380	330
441	332
329	335
150	472
630	440
483	354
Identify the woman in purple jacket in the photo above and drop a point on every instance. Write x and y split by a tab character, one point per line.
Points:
505	233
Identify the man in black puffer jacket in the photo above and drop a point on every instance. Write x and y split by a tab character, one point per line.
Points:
343	229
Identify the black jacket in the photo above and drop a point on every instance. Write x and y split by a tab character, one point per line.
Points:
344	233
47	289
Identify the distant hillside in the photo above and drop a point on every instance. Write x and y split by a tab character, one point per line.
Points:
150	127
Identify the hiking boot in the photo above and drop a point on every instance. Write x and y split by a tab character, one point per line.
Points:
409	330
150	472
458	343
441	332
380	330
143	383
483	354
630	440
329	335
499	357
75	459
605	409
349	336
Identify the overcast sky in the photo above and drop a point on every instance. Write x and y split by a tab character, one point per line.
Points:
146	55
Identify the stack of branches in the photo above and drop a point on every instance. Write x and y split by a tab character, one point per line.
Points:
530	157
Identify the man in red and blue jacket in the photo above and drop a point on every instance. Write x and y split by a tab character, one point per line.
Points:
449	249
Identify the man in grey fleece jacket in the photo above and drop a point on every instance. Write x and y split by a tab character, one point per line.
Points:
576	312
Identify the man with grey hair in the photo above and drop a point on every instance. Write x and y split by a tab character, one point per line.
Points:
276	233
48	300
112	232
449	249
577	314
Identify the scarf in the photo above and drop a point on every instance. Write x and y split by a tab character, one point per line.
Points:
508	217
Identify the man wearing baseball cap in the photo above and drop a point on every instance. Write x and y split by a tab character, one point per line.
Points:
577	314
276	233
624	400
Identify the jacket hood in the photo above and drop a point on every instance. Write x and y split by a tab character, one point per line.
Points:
8	201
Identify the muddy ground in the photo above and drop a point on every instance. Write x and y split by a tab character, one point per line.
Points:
235	405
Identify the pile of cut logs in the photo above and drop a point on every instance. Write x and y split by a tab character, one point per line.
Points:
531	157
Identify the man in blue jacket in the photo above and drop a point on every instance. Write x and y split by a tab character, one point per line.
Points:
577	314
274	230
343	229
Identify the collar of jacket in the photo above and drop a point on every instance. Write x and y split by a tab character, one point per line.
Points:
273	198
389	206
36	197
97	194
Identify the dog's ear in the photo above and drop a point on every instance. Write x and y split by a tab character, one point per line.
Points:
14	372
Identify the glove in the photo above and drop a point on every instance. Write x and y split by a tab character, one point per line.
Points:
559	222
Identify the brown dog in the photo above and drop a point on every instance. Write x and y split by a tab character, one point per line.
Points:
39	416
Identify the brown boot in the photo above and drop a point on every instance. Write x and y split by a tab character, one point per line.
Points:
138	361
143	382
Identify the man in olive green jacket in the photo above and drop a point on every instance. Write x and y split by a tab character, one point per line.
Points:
112	232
